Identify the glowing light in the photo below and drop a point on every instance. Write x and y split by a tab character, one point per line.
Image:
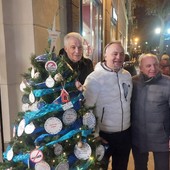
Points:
91	158
158	30
168	30
136	39
84	33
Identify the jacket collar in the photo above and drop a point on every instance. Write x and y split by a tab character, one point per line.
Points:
151	80
103	64
71	63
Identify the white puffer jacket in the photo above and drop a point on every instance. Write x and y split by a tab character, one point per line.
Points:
110	93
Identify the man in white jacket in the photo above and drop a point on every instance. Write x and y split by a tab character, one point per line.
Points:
109	88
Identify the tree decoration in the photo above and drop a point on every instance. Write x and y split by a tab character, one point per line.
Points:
54	131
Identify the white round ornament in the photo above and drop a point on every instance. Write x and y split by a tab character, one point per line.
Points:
36	75
31	97
58	149
50	82
32	72
42	166
36	156
100	150
21	128
14	131
89	120
25	99
22	86
83	152
33	107
25	107
58	77
69	116
29	128
53	125
62	166
10	154
51	66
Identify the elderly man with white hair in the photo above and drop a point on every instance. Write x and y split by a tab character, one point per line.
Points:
150	114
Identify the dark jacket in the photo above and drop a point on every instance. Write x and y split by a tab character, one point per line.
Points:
151	113
83	67
129	66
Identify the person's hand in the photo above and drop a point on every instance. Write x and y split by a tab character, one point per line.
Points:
101	139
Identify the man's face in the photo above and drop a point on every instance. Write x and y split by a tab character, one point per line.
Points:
114	56
165	67
74	49
149	66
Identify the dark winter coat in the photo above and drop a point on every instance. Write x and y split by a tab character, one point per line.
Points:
83	67
129	66
151	113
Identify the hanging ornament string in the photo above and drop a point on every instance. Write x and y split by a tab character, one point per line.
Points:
53	35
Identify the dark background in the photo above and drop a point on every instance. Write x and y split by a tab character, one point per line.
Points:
146	26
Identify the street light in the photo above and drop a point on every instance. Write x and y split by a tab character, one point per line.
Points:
164	35
168	30
136	39
157	31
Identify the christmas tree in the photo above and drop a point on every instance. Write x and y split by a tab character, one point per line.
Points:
54	130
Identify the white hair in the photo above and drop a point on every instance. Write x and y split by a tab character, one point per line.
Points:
72	35
142	56
165	57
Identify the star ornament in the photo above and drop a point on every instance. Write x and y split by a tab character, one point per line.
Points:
53	35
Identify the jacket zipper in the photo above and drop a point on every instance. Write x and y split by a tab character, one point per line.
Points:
120	101
102	115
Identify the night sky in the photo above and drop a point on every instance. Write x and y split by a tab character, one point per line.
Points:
146	27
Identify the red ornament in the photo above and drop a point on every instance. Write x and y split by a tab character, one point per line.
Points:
64	96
